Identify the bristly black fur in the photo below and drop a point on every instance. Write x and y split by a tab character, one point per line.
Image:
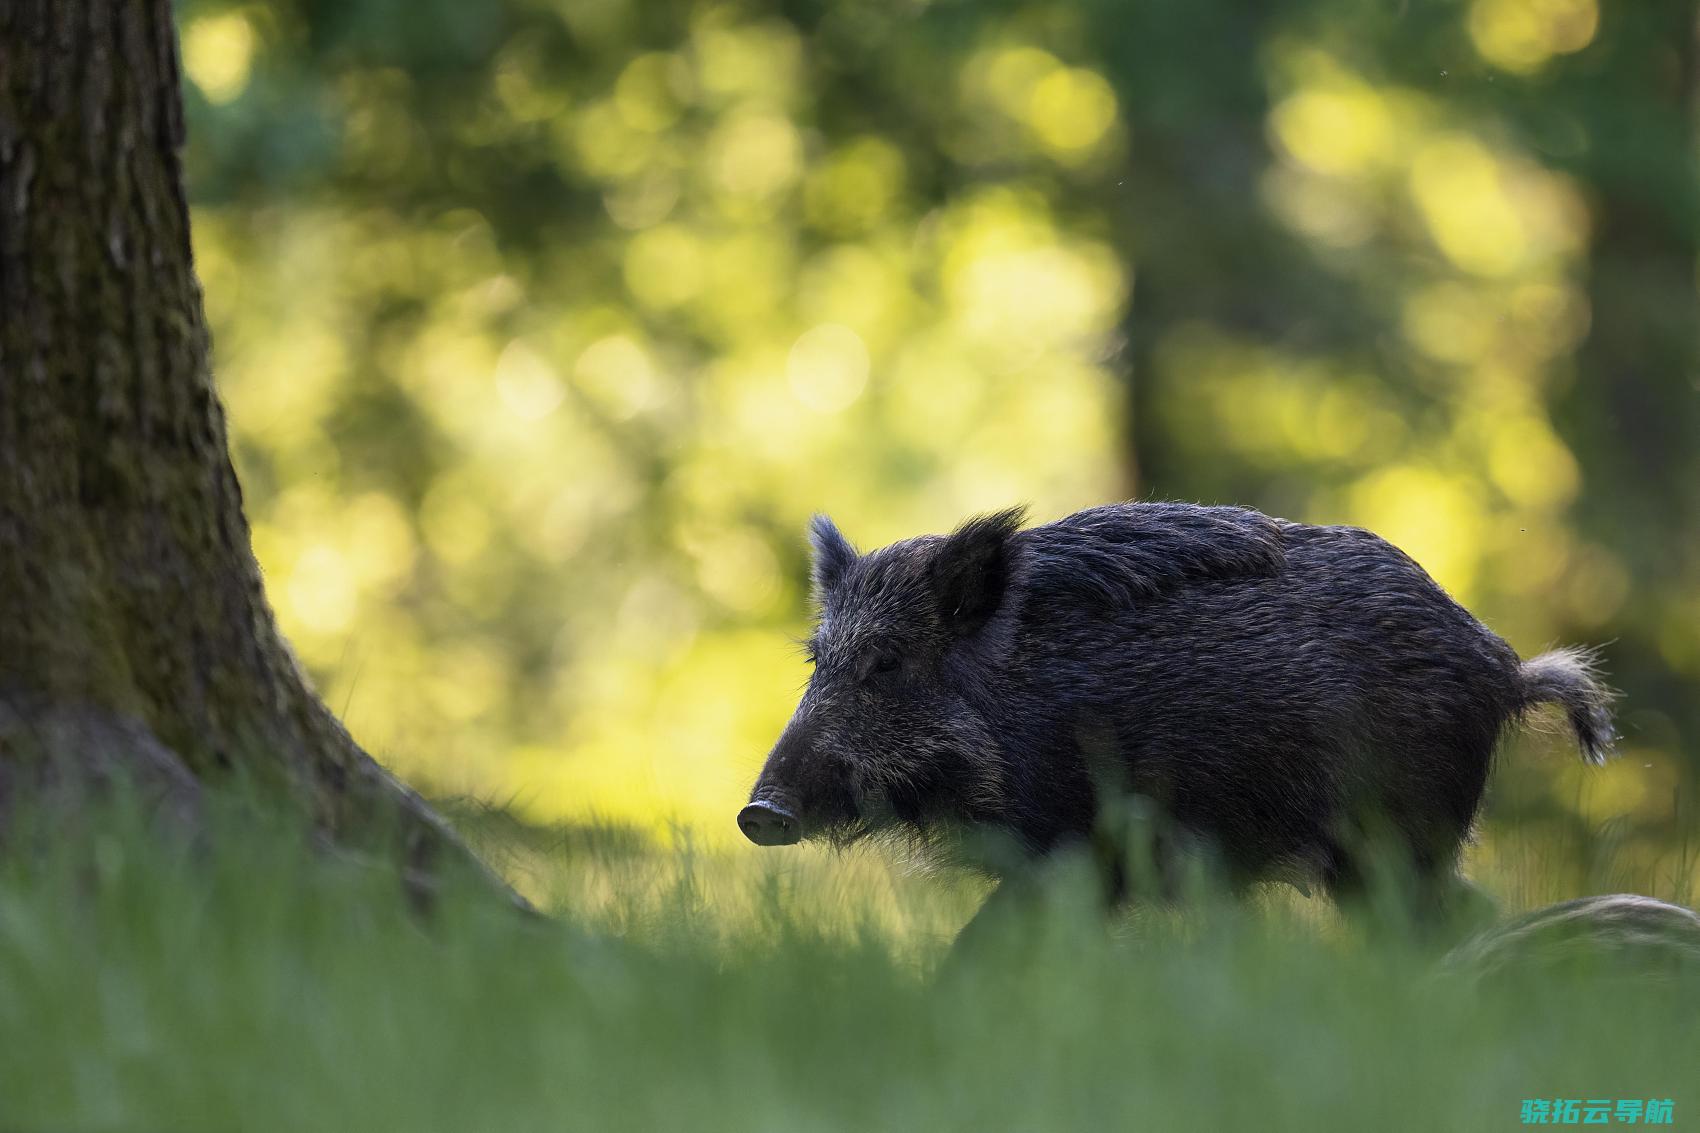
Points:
1120	554
1278	690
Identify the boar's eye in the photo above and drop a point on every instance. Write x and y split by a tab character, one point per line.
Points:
886	663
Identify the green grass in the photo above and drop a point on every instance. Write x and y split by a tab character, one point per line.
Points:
259	986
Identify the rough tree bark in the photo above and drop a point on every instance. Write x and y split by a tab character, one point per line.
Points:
134	632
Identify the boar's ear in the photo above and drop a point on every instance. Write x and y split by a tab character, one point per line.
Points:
972	570
833	555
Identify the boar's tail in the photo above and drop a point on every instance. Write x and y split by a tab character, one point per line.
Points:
1570	678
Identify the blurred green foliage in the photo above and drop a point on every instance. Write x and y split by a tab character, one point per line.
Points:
543	326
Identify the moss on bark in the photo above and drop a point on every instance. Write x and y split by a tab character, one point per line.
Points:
129	595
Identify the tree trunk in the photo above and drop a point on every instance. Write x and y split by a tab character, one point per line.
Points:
134	632
1206	249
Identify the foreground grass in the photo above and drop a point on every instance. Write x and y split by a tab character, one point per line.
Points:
261	987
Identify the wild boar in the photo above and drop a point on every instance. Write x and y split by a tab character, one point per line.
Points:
1276	689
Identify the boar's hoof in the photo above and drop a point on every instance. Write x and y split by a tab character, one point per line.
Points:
768	825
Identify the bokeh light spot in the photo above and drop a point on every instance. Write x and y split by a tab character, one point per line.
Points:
1071	109
1531	465
828	367
754	154
1343	129
218	54
854	187
617	374
1458	186
664	266
527	385
1432	516
320	590
1521	35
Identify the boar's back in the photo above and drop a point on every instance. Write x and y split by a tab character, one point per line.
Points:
1121	554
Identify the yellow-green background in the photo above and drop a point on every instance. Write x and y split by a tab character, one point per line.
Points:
543	328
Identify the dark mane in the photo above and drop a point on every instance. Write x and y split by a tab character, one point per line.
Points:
1123	553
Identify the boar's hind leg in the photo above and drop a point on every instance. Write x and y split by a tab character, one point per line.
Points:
1419	894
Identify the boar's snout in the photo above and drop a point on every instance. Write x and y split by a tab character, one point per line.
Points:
768	824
